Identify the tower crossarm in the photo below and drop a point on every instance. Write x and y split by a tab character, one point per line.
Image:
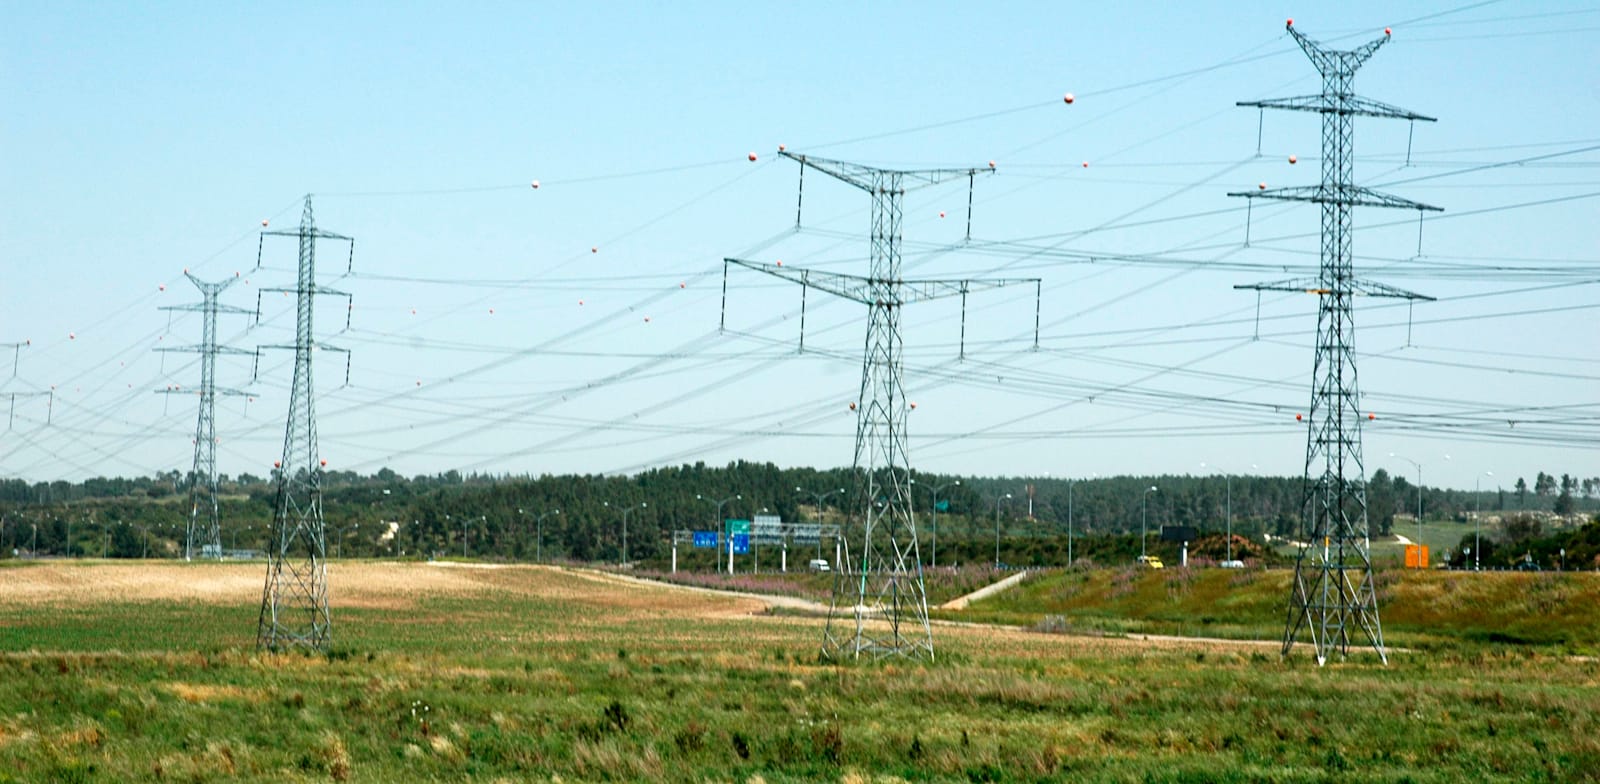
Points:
866	290
311	289
200	349
315	345
1344	104
198	307
867	178
1352	195
1356	287
321	234
1327	60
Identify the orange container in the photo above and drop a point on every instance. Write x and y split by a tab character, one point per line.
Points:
1416	556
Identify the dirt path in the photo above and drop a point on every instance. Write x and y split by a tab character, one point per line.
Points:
961	602
770	600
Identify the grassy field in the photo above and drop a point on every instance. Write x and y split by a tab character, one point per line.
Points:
1425	610
121	672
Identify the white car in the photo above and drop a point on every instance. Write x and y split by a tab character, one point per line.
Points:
819	565
1231	564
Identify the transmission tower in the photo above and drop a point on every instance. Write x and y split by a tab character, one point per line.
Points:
294	604
16	360
203	478
879	605
1333	588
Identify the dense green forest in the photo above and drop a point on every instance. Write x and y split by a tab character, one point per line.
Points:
580	517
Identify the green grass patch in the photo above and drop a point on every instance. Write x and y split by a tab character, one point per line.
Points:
545	674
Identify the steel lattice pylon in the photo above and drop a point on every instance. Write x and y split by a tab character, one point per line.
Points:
294	604
203	477
879	605
1333	586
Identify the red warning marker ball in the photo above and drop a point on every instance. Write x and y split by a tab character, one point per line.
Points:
852	405
1371	417
72	336
1085	164
1294	159
683	285
913	405
1289	23
162	287
419	382
491	311
580	302
263	223
1298	418
277	464
324	463
1069	98
536	185
781	148
941	213
752	156
991	164
780	262
647	319
1387	31
1262	186
594	249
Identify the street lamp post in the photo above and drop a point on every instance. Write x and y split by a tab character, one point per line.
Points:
1419	504
338	541
1477	534
934	526
1228	477
538	553
997	501
820	497
737	497
465	520
1069	522
1144	536
625	512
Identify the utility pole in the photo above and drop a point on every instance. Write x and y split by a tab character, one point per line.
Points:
203	476
1333	588
882	610
294	604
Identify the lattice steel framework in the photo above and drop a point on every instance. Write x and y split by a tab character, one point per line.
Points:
1333	588
16	360
203	477
879	605
294	604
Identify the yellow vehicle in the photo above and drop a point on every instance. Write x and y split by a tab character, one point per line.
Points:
1151	562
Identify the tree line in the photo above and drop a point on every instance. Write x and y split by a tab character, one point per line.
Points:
581	517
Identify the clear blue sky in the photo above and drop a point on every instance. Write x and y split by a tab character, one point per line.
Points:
142	140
